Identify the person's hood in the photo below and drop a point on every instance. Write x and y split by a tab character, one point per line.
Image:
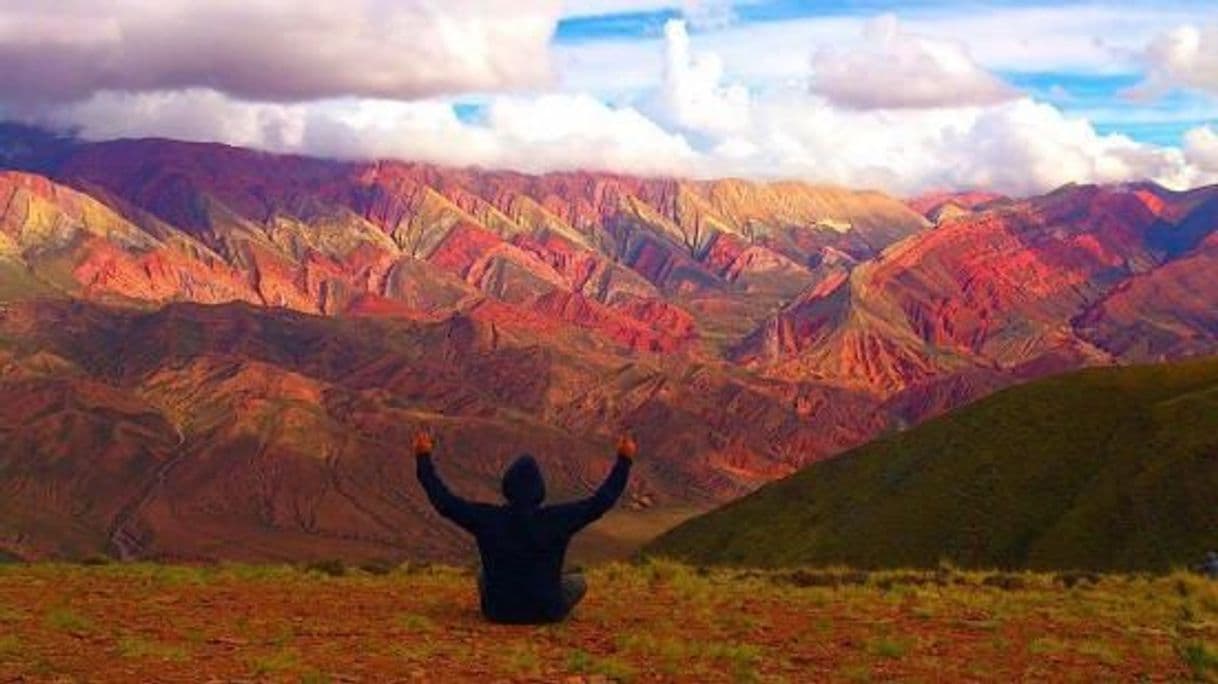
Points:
523	484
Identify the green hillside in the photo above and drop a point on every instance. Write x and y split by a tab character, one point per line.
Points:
1111	468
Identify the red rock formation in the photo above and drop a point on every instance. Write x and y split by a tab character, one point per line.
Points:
935	205
270	329
1020	286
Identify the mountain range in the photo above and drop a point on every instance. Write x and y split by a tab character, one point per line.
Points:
214	352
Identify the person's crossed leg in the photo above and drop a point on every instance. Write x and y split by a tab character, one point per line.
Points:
574	588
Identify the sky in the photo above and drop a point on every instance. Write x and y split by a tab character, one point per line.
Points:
908	97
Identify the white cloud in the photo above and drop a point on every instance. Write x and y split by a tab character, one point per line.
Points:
1185	57
897	69
1201	148
692	96
596	8
580	132
529	134
272	50
702	13
1016	147
1029	146
1078	38
547	133
195	114
700	122
708	15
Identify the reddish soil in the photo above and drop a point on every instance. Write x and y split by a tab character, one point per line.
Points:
653	623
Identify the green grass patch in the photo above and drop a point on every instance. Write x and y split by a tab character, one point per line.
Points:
614	668
522	659
141	648
742	660
1046	645
315	677
279	662
66	620
1201	659
256	573
1102	651
888	647
8	614
420	624
676	655
10	645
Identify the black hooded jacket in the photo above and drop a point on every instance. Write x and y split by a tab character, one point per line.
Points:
523	543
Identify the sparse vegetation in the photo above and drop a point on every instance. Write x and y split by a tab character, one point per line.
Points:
377	567
1202	660
417	623
522	659
330	566
8	614
888	647
139	647
275	663
651	622
315	677
66	620
10	646
1046	645
1100	650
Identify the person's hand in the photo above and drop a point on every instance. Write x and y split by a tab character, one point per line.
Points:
423	443
626	446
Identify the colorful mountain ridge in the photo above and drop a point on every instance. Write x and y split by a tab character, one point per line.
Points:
212	352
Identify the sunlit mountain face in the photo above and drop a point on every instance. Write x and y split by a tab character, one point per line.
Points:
246	250
210	351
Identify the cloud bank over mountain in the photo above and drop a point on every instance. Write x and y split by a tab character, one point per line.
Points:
467	83
273	50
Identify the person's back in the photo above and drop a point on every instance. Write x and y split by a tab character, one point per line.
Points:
522	544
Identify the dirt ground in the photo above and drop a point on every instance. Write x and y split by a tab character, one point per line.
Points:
654	622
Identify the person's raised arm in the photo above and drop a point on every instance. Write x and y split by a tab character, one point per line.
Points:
447	504
579	514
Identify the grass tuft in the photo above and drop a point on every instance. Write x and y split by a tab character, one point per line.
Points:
1101	651
65	620
888	647
414	622
333	567
522	659
139	647
1201	659
10	645
616	669
280	662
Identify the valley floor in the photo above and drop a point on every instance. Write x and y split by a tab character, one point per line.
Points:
645	623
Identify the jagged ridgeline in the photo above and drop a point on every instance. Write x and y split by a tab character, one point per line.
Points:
212	352
1105	469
